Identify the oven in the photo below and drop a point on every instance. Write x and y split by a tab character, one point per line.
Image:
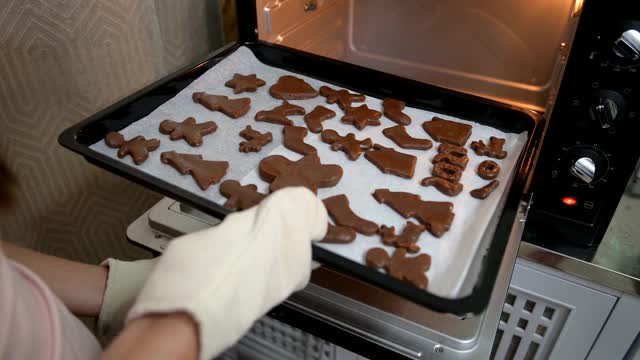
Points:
498	62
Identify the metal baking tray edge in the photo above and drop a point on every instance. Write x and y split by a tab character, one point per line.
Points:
79	137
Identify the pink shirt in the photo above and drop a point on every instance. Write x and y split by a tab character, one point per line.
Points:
34	324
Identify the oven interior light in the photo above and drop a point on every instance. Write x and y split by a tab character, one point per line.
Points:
568	200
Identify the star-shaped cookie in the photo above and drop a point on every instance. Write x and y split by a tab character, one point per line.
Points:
244	83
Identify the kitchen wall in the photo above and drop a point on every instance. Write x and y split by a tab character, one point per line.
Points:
61	61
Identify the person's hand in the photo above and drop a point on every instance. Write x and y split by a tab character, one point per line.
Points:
228	276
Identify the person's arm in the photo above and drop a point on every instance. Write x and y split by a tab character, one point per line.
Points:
146	338
79	286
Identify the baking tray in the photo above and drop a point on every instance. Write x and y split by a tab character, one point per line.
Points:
79	137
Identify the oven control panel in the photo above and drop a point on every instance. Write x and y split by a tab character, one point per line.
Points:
593	140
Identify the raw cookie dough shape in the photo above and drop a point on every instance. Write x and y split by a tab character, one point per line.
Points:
315	118
204	172
452	154
339	210
392	109
308	172
188	129
488	170
241	83
293	139
435	215
444	186
390	161
338	235
233	108
255	140
485	191
493	149
407	239
290	87
343	97
447	171
138	147
399	266
239	196
351	146
398	134
361	116
278	115
447	131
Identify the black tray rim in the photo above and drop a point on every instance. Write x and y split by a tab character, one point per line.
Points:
473	303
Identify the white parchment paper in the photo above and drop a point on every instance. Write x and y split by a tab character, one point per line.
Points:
452	254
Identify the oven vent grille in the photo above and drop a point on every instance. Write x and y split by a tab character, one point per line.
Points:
528	327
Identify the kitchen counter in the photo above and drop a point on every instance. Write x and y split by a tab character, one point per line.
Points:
614	263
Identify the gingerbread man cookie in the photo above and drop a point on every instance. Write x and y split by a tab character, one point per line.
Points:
308	172
138	147
351	146
188	130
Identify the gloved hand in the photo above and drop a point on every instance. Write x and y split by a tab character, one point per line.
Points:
228	276
124	283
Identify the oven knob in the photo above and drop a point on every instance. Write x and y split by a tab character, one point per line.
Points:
606	107
628	45
584	169
588	164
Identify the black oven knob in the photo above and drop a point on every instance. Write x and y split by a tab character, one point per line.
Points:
627	46
606	107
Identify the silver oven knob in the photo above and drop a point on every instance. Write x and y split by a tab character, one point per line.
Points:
605	111
584	169
628	45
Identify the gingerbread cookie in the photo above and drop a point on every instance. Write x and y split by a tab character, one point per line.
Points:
293	139
452	154
255	140
485	191
393	111
399	266
308	172
204	172
408	238
292	88
351	146
444	186
390	161
361	116
343	97
339	210
233	108
240	197
339	235
436	216
454	150
447	171
488	170
315	118
138	147
188	130
278	115
241	83
398	134
494	149
447	131
451	159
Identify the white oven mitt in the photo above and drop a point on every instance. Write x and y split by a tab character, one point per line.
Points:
124	283
228	276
